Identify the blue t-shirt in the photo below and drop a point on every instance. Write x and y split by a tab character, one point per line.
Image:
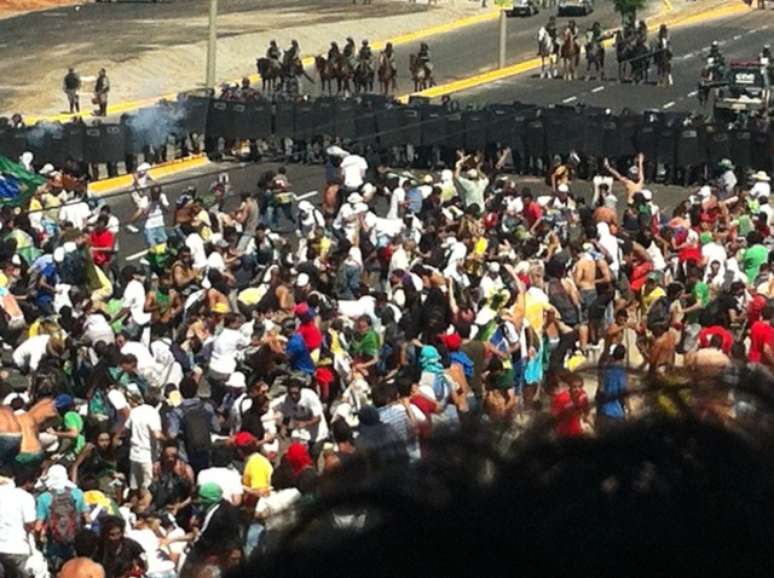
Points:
44	503
298	355
614	388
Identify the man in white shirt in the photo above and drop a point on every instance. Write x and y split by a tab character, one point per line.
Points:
29	354
145	427
133	302
17	520
75	211
304	409
222	474
397	201
155	232
195	242
353	170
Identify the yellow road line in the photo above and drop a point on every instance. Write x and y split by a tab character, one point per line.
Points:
534	63
308	61
668	5
157	172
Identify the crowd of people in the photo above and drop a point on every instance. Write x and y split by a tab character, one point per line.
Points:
169	418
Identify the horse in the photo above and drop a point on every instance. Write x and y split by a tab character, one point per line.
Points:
387	75
595	56
290	73
422	77
569	52
270	73
640	62
546	51
662	57
326	70
364	77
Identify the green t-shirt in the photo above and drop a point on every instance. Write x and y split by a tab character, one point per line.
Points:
72	420
753	258
367	346
701	293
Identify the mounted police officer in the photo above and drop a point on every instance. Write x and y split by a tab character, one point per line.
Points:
349	51
292	53
333	52
365	55
423	58
273	53
388	56
551	28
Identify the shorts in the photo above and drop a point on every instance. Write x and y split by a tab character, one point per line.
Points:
30	458
140	475
9	447
155	236
588	297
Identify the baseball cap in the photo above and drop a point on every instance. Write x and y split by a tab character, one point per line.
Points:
237	380
244	439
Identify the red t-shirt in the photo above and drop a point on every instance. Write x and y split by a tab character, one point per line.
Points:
689	254
311	334
761	333
567	414
103	240
706	334
533	213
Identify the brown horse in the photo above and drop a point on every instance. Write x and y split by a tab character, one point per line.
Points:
422	77
569	52
364	77
388	76
344	75
270	73
326	70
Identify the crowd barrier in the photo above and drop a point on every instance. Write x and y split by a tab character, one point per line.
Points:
531	131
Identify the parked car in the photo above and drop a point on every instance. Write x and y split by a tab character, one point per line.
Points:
524	8
575	7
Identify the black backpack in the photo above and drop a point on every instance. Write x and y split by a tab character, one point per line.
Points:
196	429
659	313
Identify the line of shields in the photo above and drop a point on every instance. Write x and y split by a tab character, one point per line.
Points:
561	56
342	76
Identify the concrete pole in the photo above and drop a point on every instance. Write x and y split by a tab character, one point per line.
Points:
503	35
211	44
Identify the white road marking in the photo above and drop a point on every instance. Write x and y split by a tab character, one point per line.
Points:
693	93
737	37
598	89
136	256
669	105
570	99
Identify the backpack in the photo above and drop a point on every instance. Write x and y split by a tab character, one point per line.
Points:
63	518
659	313
100	408
196	429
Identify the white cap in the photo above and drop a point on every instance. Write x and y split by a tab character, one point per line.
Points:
335	151
493	267
143	168
761	176
354	198
237	380
427	179
47	169
302	280
704	192
647	194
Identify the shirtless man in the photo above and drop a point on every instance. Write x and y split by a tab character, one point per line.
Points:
636	179
19	433
661	353
708	361
82	566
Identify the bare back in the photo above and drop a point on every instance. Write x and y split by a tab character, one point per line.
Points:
81	568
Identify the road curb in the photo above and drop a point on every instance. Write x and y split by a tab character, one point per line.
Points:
714	13
307	62
170	168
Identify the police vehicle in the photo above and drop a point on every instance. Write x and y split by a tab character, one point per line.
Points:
523	8
746	90
574	7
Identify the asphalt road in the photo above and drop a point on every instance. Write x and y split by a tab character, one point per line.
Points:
129	29
741	38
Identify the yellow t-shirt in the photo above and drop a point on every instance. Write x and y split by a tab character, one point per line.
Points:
258	471
649	299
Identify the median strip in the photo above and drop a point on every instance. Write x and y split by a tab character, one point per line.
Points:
535	63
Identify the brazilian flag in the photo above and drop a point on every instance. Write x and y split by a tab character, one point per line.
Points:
16	183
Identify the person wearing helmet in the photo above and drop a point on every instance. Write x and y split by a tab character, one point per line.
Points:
424	57
349	51
365	53
292	53
273	53
333	52
551	27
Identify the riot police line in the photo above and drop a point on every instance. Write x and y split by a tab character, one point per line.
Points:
678	146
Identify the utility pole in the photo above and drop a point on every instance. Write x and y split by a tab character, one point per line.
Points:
503	36
211	44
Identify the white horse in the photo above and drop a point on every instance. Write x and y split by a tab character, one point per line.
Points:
547	52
